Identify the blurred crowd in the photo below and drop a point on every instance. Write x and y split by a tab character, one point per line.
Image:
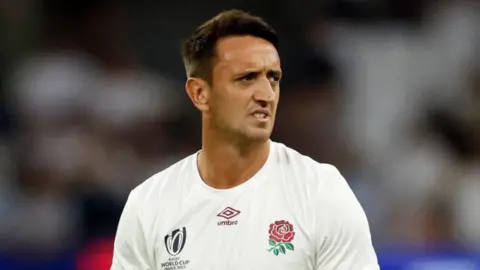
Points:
92	103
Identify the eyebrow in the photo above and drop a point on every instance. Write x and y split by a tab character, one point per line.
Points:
276	72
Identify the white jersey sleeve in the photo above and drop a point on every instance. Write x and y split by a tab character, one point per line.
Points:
343	239
130	250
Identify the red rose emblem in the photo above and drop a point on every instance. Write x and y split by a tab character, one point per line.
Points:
281	231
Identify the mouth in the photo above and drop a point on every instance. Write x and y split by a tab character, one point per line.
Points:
261	115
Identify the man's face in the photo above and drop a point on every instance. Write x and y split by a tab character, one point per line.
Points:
245	87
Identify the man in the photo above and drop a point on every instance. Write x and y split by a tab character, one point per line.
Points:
243	201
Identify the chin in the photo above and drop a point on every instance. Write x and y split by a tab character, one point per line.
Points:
258	135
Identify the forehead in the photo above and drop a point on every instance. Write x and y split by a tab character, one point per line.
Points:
240	53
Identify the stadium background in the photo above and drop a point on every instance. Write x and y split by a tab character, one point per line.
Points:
92	103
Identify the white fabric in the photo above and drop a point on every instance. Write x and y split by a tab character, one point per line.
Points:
330	227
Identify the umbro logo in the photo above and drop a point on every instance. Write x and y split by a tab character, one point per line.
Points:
228	213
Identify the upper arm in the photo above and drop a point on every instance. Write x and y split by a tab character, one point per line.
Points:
343	240
130	251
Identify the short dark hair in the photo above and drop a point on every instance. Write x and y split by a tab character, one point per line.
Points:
198	51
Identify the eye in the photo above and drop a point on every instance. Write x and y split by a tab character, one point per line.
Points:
275	77
248	77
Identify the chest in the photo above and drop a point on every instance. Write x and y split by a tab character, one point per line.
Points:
244	232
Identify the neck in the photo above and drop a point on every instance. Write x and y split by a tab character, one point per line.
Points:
224	163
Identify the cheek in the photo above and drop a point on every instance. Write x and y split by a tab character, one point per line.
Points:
230	101
236	101
217	102
224	110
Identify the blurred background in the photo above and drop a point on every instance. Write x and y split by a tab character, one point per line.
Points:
92	103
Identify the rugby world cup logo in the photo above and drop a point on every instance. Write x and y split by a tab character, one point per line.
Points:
175	241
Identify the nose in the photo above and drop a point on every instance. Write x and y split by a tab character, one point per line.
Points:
265	92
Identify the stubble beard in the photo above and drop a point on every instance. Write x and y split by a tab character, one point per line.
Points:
236	136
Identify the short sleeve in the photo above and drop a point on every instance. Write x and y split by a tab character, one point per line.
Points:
130	249
343	239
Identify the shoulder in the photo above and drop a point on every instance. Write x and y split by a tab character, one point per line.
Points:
322	174
322	185
162	182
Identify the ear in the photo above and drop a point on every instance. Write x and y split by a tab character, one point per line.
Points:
198	91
